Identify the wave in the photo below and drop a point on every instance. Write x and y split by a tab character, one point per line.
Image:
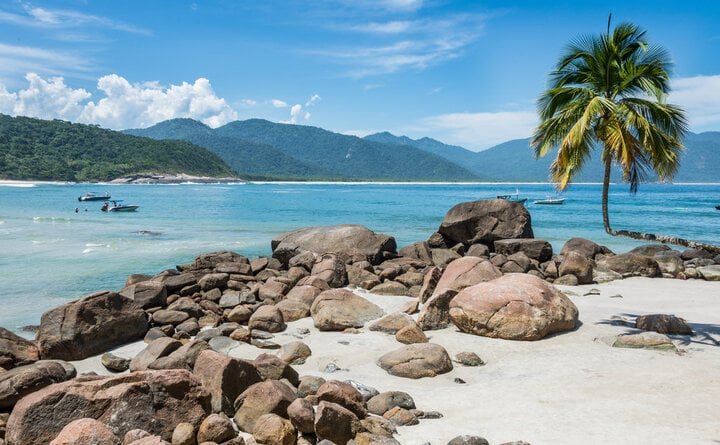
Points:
17	185
51	219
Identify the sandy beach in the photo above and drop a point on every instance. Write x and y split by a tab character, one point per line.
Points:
567	389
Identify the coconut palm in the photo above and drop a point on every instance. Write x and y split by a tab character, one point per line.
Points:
608	91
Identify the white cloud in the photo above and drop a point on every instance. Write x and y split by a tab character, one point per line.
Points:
122	104
37	17
16	61
313	100
277	103
392	27
700	97
295	113
477	131
248	103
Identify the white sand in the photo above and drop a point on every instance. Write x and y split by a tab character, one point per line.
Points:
567	389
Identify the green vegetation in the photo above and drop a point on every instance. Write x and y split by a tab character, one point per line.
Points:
56	150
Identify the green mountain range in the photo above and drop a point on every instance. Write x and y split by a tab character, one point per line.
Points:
34	149
259	148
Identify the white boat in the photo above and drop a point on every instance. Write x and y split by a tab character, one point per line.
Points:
550	200
514	197
118	206
94	196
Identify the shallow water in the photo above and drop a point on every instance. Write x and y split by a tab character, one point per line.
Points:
49	254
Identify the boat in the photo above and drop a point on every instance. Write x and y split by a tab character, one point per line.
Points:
717	207
514	197
550	200
118	206
93	196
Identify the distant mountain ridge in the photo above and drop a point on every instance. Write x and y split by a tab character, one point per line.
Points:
260	148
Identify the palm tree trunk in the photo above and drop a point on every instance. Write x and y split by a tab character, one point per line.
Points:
605	192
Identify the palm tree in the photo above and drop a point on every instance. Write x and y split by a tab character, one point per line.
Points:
609	91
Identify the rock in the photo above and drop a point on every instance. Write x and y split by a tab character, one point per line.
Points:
339	309
391	323
271	367
158	348
401	417
468	440
215	428
689	254
174	283
443	257
225	378
346	240
670	264
331	269
182	358
478	250
302	415
430	281
85	431
267	318
335	423
271	429
384	402
419	250
536	249
154	401
358	274
146	294
390	288
664	324
309	384
578	265
294	353
644	340
709	273
601	276
15	350
187	305
184	434
306	260
239	314
485	222
23	380
630	264
268	397
417	361
189	327
344	394
90	326
468	359
582	246
164	316
567	280
411	334
272	290
150	440
513	307
650	249
113	363
215	259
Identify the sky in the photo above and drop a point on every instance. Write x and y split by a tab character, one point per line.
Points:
464	72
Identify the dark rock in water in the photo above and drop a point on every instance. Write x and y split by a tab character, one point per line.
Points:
486	221
23	380
90	326
536	249
15	350
147	233
468	440
348	241
664	324
154	401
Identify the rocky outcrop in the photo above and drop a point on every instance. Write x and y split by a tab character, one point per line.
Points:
536	249
15	350
339	309
513	307
154	401
485	222
90	326
416	361
349	241
23	380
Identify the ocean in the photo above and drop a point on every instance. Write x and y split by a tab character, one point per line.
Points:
49	254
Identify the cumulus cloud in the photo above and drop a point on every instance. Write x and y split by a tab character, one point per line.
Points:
277	103
121	104
700	97
299	113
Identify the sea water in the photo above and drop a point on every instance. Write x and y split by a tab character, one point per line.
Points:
49	254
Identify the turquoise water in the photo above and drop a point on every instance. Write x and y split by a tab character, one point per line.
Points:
49	254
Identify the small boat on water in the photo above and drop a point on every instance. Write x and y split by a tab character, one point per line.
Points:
717	207
93	196
514	197
118	206
550	200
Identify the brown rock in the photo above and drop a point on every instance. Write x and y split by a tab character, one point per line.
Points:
184	434
536	249
267	318
631	264
417	361
385	401
216	428
157	348
578	265
401	417
267	397
294	353
430	281
309	384
582	246
302	415
443	257
662	323
272	290
154	401
15	350
344	394
513	307
331	269
293	310
335	423
391	323
411	334
419	250
85	432
23	380
225	378
339	309
271	429
164	316
271	367
486	221
389	288
90	326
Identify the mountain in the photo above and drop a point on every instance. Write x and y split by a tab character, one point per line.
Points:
250	159
36	149
515	161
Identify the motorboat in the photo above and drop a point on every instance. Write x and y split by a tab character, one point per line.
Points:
514	197
550	200
118	206
93	196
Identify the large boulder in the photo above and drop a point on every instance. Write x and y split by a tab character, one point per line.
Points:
225	377
577	265
15	350
513	307
268	397
23	380
630	264
583	246
331	269
90	326
347	240
339	309
85	432
536	249
416	361
147	294
486	221
154	401
335	424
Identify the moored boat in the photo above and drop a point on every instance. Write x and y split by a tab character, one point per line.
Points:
514	197
118	206
93	196
550	200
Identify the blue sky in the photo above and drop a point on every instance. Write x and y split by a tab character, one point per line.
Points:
466	73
